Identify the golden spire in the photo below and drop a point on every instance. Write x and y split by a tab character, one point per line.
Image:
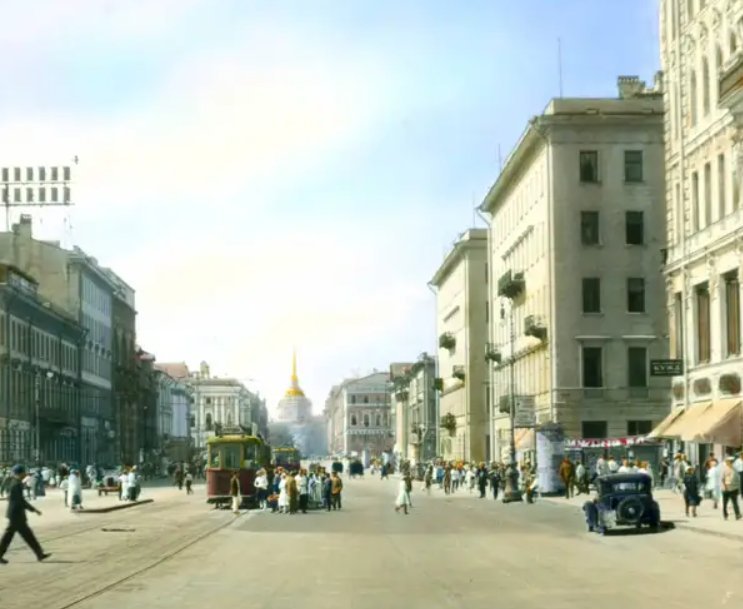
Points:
294	390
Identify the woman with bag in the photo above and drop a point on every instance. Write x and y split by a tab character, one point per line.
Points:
691	491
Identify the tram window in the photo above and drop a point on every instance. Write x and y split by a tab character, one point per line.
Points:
231	456
250	452
214	458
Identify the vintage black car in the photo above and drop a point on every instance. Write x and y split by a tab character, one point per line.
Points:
622	500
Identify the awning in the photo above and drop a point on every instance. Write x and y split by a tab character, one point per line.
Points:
720	423
686	423
662	427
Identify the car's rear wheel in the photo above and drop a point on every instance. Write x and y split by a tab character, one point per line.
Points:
630	510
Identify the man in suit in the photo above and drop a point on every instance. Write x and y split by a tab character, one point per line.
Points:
16	514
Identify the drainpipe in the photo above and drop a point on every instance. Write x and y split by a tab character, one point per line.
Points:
491	338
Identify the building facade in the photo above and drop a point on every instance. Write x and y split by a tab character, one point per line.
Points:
39	375
173	415
75	283
127	407
217	403
701	54
575	243
359	417
415	410
462	318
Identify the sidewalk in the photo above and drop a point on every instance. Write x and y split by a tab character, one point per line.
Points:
709	521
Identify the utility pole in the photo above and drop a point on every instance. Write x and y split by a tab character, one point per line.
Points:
512	493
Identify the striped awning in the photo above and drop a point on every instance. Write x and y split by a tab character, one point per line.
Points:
720	423
661	429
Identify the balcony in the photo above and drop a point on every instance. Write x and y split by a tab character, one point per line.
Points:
458	372
511	285
534	327
731	84
447	341
493	354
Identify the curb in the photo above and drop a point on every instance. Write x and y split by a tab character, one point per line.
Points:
114	508
676	524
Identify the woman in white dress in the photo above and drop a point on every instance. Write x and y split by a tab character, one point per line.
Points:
713	485
283	496
403	497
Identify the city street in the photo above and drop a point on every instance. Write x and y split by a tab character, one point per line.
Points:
449	552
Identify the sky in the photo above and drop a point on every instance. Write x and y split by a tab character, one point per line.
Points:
278	175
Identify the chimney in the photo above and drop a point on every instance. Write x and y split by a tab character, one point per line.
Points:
24	227
630	86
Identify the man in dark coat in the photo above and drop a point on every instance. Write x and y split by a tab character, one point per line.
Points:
16	514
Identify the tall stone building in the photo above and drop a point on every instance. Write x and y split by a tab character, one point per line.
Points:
39	375
702	59
173	415
462	316
415	409
575	243
77	284
359	417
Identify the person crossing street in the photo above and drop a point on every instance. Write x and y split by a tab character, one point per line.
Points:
17	522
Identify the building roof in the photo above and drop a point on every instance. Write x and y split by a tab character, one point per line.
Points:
471	238
294	390
178	370
635	100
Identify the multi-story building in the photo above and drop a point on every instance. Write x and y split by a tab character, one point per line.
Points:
462	317
173	415
218	402
39	375
415	409
74	282
127	408
150	451
358	413
702	58
575	246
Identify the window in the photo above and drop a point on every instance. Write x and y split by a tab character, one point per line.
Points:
17	195
379	421
593	375
637	367
636	295
633	165
591	295
589	227
639	428
42	174
693	98
634	227
42	195
732	313
594	429
208	401
366	399
30	195
208	421
29	174
695	200
487	312
366	420
353	399
706	87
17	174
354	420
703	323
6	175
55	174
589	166
720	186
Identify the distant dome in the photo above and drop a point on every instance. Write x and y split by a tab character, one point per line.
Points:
294	407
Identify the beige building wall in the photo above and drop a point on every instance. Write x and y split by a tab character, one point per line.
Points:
538	207
701	59
462	313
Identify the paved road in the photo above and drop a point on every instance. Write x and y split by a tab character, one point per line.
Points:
449	552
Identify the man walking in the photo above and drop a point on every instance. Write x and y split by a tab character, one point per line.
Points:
16	514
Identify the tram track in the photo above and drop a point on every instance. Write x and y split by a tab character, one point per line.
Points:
148	567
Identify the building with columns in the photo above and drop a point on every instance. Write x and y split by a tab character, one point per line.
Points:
577	302
702	59
462	317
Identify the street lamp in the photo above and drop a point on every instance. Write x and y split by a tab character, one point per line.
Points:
512	492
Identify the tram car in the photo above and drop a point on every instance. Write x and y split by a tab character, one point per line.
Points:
286	457
229	452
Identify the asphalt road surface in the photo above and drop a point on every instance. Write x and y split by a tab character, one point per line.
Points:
449	552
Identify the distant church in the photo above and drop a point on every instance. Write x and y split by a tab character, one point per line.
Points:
294	407
294	418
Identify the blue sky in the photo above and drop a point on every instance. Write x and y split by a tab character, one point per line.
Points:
275	174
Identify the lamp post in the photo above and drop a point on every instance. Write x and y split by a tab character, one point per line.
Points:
512	492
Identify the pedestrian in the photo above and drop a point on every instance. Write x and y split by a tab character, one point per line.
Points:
235	492
75	490
567	475
730	488
64	486
303	487
712	486
495	481
179	478
293	491
189	483
124	485
402	501
482	480
336	488
327	492
691	491
16	515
